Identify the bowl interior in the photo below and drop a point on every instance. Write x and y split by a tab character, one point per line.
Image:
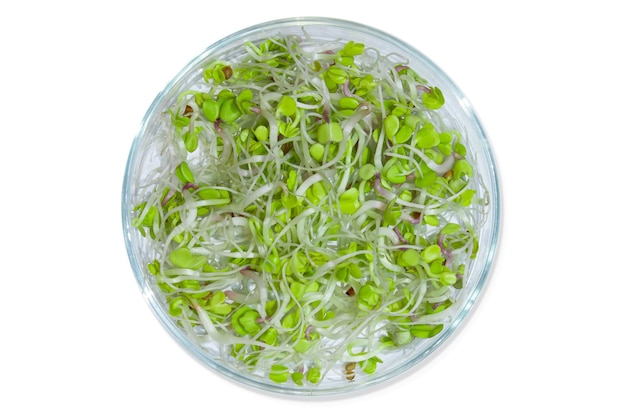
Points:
146	155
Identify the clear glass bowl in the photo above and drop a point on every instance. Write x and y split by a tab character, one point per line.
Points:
147	154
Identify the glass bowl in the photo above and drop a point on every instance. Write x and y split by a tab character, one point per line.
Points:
318	244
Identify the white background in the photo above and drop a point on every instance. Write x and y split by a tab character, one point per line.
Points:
547	79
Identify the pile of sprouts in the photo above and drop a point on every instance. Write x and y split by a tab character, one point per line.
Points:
312	211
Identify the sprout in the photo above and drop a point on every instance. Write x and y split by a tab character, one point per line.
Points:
311	211
331	131
433	98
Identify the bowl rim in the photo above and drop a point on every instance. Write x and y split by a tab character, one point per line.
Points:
490	250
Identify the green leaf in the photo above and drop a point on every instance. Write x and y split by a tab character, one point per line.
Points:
271	264
331	131
348	103
314	375
392	125
302	346
451	228
448	278
427	136
392	214
426	330
290	320
229	111
431	220
355	271
279	373
248	321
337	75
191	140
460	149
349	201
462	168
270	336
180	121
352	49
297	289
292	179
288	130
286	106
436	267
184	174
433	99
289	201
445	137
218	305
211	110
394	174
244	321
412	121
175	306
148	219
369	366
261	133
428	178
297	378
431	253
367	171
404	134
365	84
368	297
410	257
244	100
466	197
214	197
183	258
317	152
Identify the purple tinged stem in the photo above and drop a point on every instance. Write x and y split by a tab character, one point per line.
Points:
380	189
410	219
400	236
325	114
346	89
189	186
167	197
446	252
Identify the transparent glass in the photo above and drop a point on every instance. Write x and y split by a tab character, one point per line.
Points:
144	156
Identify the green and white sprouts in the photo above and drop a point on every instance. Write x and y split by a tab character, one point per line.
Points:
312	210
